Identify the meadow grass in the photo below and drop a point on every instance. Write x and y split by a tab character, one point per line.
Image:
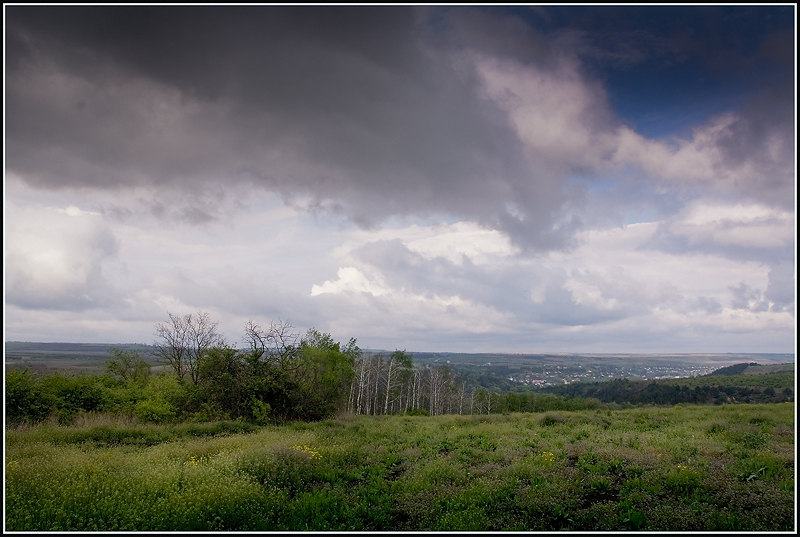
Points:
728	467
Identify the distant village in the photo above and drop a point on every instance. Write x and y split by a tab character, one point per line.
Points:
570	374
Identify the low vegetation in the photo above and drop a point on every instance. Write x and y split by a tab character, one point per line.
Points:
715	468
303	433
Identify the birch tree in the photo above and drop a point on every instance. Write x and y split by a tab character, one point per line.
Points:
399	362
461	398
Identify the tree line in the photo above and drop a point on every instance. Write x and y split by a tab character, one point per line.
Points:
714	390
278	376
281	376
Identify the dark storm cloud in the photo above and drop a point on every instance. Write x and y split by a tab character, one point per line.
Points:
364	112
673	67
763	140
343	105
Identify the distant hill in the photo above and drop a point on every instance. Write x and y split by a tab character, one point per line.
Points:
753	368
735	369
764	369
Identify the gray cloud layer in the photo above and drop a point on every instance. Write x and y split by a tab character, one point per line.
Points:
363	112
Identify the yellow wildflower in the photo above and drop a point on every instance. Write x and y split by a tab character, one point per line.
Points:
549	456
308	451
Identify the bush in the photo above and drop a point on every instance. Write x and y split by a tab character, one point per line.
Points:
155	410
26	402
551	419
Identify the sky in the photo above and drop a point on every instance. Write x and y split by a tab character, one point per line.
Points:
532	179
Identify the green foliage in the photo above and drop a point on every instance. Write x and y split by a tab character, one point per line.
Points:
26	401
633	520
31	398
283	378
260	410
399	473
163	398
222	382
155	410
776	380
129	365
76	393
752	439
719	389
323	375
551	419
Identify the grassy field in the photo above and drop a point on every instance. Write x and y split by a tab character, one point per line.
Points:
728	467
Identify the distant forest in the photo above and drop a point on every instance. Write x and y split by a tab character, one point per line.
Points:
716	388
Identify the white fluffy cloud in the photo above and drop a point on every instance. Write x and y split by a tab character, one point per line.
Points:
55	257
613	279
454	286
744	225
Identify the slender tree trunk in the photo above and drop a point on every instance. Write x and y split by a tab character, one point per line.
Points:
362	385
367	389
408	392
388	385
378	367
432	383
351	398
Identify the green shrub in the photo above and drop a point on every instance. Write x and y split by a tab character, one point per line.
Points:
155	410
26	401
753	440
682	479
551	419
633	520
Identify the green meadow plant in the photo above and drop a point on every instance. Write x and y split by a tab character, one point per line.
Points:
695	468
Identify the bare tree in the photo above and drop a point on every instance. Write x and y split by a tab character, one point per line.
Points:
419	377
480	400
184	340
367	383
278	345
399	362
461	398
435	386
378	369
364	376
